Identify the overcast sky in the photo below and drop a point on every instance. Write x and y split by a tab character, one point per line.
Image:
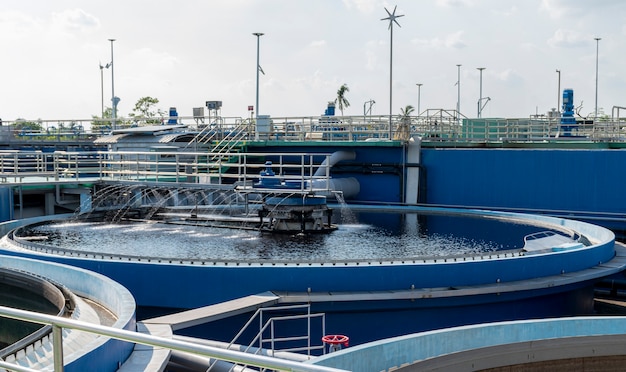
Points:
189	51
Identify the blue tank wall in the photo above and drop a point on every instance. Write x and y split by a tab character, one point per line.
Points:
365	321
579	180
205	283
6	204
544	179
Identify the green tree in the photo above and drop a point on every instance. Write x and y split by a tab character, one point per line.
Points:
405	112
341	101
404	128
22	127
145	109
102	124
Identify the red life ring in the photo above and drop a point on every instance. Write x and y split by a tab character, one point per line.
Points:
336	340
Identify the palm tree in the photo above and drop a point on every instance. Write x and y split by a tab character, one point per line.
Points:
404	129
406	112
341	100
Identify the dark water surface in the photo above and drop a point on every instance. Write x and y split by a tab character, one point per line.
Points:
366	235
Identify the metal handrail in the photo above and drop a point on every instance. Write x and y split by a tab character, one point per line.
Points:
432	124
263	326
175	167
233	356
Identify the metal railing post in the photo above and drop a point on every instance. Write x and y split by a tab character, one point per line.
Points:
57	347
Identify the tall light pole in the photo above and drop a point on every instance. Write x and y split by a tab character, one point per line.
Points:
258	70
392	19
558	92
597	39
458	85
419	91
114	100
102	90
480	99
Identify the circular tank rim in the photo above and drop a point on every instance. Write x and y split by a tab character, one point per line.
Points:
354	275
40	286
489	345
487	274
96	287
599	235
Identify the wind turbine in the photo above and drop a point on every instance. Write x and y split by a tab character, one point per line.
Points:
392	18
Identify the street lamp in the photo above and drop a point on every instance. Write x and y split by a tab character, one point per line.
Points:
597	39
258	69
419	88
558	92
114	100
392	19
458	84
102	89
480	98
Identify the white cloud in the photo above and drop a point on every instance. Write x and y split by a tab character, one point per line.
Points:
454	3
74	21
364	6
16	25
453	41
509	12
313	81
510	76
318	43
568	39
172	53
529	47
553	8
154	61
576	8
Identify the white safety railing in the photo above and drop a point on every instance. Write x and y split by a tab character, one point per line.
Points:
431	125
237	169
58	324
261	339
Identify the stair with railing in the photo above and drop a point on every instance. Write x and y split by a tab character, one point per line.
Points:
222	142
266	339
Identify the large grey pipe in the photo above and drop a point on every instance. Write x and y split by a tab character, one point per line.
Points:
334	158
348	186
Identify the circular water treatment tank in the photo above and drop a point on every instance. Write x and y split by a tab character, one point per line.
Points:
361	235
25	291
418	268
